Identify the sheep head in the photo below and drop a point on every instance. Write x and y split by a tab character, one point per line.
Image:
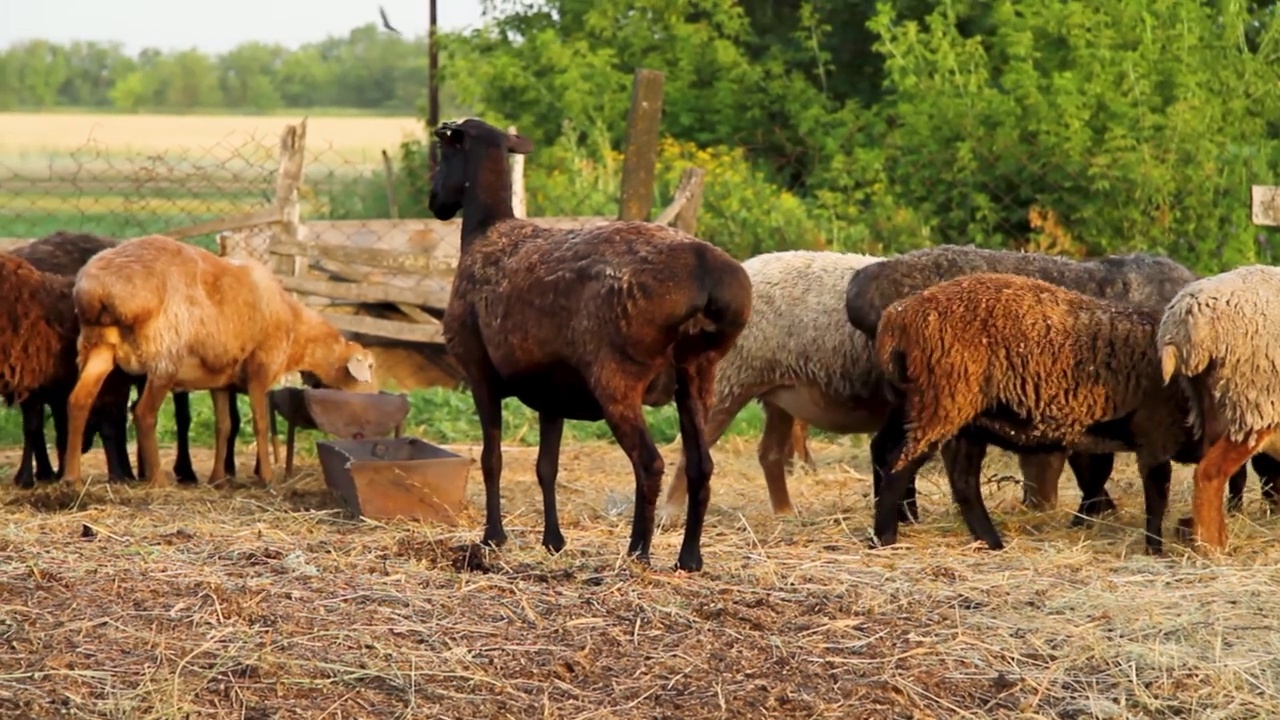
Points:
348	366
464	148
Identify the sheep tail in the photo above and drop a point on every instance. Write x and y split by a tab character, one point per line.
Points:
727	303
1168	362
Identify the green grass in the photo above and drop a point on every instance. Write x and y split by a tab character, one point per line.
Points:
436	414
113	225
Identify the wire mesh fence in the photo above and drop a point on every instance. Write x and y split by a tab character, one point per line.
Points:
122	191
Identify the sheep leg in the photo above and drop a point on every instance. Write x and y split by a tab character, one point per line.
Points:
883	444
257	392
889	503
1235	489
799	443
694	388
98	362
1155	493
719	420
183	470
622	412
489	409
1206	525
1092	472
233	416
966	490
33	446
144	418
776	447
221	431
1040	475
113	426
1268	470
550	431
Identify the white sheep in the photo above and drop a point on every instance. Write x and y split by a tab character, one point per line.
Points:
190	320
1223	333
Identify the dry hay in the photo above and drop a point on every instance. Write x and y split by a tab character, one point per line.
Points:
196	603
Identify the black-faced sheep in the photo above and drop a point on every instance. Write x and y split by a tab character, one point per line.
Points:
1022	363
583	324
190	320
64	253
1138	279
1221	334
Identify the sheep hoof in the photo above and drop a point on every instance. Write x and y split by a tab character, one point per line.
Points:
689	562
880	541
553	544
494	539
26	480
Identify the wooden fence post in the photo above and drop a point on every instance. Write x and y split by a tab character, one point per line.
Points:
389	180
687	218
519	201
641	158
293	145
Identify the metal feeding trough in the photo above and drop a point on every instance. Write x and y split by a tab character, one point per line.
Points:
389	478
346	415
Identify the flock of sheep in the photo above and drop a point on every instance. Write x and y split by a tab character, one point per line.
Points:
947	349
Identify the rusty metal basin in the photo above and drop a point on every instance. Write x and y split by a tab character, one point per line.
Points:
389	478
346	415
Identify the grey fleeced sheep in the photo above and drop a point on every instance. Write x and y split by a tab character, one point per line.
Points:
1025	364
1138	279
1223	333
799	357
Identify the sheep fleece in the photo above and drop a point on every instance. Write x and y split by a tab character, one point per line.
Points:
38	322
1139	279
1059	360
1229	325
797	328
175	303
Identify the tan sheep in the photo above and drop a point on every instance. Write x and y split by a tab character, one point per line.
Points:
190	320
1221	332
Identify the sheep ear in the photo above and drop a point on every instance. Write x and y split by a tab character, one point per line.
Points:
361	367
519	144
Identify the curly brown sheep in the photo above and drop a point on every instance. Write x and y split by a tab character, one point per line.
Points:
1025	364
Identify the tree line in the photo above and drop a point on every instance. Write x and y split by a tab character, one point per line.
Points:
368	69
1078	127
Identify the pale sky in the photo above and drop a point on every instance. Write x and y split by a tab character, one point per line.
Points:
217	25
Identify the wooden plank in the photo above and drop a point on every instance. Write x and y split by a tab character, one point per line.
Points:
364	292
235	222
687	218
690	183
375	257
641	158
411	332
1266	205
519	201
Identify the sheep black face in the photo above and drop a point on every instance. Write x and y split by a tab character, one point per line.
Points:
464	147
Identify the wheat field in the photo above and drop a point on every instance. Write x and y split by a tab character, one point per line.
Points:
28	136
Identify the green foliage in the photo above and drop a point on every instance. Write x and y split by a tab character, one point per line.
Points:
368	69
1074	128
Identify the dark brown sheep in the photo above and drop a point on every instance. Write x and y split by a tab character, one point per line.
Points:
37	317
64	253
1025	364
586	325
1138	279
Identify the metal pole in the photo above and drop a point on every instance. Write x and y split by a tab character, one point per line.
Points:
433	87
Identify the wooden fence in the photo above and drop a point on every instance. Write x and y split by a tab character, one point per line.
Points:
387	281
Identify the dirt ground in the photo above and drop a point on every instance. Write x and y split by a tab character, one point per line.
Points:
245	603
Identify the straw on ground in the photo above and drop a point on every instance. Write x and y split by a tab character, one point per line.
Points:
126	603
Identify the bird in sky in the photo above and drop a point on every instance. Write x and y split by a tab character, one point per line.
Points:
385	22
